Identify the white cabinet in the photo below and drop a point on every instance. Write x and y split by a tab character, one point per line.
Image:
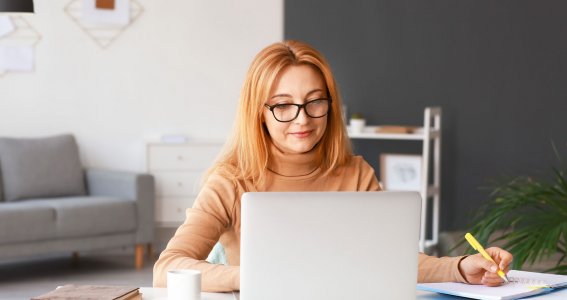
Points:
178	170
430	136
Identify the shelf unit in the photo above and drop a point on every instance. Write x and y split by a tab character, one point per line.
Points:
430	136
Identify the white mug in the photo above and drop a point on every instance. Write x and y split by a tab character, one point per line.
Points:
184	284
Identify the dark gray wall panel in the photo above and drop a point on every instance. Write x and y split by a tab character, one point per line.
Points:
497	68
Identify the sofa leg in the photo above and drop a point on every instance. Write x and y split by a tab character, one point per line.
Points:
139	256
75	258
150	252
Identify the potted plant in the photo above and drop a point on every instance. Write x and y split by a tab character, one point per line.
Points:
529	216
357	123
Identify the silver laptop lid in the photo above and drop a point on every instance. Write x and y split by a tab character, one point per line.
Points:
329	245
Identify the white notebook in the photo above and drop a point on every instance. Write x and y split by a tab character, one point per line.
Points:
522	284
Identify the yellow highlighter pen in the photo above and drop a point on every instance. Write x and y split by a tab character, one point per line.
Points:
478	247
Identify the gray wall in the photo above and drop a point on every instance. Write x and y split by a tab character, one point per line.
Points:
497	68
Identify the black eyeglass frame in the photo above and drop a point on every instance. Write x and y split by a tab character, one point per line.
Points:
299	107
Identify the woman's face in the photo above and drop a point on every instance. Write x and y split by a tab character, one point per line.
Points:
297	85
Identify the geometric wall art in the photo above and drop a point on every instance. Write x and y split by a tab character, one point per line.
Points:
104	24
17	45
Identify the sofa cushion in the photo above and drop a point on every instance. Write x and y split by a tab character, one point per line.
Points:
1	192
21	222
40	167
91	216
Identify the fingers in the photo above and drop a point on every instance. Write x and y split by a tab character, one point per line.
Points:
478	270
502	257
491	279
485	264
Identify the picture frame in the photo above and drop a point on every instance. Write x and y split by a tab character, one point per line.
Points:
400	172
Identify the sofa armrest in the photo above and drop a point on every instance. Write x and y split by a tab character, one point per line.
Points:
135	186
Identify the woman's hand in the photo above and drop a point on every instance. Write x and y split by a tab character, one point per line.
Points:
478	270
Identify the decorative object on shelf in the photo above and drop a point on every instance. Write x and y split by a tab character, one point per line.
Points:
396	129
357	123
16	6
400	172
529	216
17	45
101	23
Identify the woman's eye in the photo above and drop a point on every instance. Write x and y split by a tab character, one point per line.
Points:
283	106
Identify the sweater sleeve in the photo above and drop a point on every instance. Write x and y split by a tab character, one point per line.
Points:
209	217
439	269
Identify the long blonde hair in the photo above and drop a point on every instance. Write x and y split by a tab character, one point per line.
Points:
246	154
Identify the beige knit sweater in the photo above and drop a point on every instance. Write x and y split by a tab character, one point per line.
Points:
215	216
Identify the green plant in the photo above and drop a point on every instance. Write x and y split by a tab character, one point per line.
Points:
530	217
357	116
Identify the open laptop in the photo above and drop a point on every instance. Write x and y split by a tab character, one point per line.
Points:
329	245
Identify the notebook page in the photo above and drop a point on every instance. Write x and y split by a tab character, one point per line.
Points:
504	292
524	284
535	279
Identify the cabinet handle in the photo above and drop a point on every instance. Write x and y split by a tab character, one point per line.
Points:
179	184
179	157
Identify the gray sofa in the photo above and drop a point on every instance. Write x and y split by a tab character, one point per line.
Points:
49	204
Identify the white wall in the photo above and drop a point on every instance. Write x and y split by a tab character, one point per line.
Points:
177	69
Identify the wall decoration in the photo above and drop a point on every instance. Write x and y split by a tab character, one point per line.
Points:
104	24
105	4
17	45
400	172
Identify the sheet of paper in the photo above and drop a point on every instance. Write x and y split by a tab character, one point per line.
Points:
17	58
6	26
120	15
532	278
529	283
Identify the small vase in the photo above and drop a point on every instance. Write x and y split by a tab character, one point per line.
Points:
357	125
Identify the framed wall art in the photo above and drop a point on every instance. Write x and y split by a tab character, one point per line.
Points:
400	172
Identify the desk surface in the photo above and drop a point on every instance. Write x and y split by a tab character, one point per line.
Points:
149	293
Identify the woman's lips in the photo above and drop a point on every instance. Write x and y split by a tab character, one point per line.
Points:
301	134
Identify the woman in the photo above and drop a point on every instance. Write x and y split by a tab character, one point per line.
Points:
289	136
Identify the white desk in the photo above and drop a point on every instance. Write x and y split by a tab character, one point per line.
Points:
149	293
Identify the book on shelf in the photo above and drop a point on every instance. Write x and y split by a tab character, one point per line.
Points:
396	129
91	292
522	284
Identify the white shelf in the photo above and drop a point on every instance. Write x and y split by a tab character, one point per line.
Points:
369	132
429	134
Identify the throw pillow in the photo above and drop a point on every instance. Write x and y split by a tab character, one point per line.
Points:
40	167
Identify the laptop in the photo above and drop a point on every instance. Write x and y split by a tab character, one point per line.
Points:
329	245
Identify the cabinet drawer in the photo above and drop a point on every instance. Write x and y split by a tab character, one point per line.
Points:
182	157
178	183
171	210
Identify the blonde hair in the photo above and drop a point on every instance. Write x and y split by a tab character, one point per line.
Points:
246	154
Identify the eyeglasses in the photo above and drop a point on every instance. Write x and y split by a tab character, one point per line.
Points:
289	111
